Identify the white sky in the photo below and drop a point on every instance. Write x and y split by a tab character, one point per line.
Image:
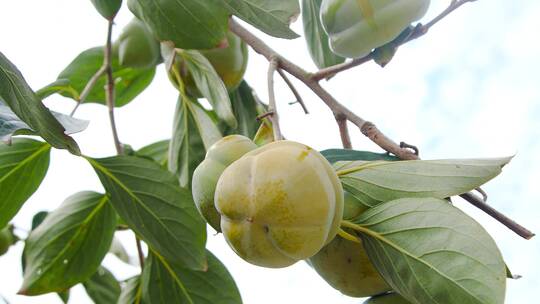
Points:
468	89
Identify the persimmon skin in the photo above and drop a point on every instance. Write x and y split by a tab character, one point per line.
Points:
137	47
206	175
279	204
356	27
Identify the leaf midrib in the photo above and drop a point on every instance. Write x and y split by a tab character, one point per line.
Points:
86	221
401	250
105	171
34	155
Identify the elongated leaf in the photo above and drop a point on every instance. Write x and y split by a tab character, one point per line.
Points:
23	166
376	182
129	82
316	37
210	85
158	152
431	252
107	8
102	287
131	292
391	298
59	85
37	219
150	201
11	125
272	17
20	98
67	248
246	109
189	24
166	283
187	147
335	155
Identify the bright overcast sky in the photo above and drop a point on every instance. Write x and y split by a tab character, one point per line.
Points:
470	88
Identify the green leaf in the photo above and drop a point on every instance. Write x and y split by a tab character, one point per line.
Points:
316	37
64	296
158	152
38	218
68	247
246	109
271	17
20	98
335	155
193	133
107	8
265	134
210	85
23	166
131	292
510	275
129	82
11	125
57	86
390	298
431	252
102	287
376	182
150	201
166	283
189	24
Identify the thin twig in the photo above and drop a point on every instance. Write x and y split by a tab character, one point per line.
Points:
368	129
89	86
418	32
293	90
512	225
109	88
272	108
140	251
344	131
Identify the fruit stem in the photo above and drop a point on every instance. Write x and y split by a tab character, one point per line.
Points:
344	234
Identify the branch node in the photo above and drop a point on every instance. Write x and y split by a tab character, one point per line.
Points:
405	145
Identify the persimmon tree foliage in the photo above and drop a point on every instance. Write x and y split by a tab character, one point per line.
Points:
372	224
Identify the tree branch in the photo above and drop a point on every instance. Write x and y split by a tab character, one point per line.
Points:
344	132
367	128
140	251
297	95
89	86
501	218
109	88
272	108
418	32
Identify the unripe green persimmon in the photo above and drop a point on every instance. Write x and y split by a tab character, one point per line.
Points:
346	267
137	47
279	204
6	240
229	62
206	175
355	27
